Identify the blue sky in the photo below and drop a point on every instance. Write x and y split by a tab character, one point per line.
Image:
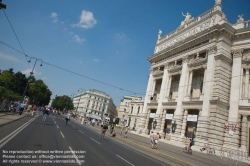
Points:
109	41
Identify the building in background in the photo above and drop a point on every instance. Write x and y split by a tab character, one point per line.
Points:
130	109
199	82
94	104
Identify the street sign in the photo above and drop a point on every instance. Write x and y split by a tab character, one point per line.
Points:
192	118
152	115
169	116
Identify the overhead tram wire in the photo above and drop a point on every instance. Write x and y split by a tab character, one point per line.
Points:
17	38
73	72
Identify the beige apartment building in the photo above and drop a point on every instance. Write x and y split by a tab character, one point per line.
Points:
94	104
199	82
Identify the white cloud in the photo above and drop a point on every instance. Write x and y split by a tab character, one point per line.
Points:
27	72
78	39
8	57
55	17
122	37
87	20
96	60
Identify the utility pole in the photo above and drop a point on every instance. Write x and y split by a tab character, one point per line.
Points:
2	6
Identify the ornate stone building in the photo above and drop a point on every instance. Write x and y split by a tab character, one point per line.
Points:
199	82
130	109
94	104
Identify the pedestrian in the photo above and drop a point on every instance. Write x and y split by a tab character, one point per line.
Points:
103	131
93	122
151	137
28	109
17	106
46	112
204	148
156	138
34	110
126	132
113	134
67	118
111	129
22	107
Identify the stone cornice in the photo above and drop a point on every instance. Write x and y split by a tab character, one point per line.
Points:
212	50
237	53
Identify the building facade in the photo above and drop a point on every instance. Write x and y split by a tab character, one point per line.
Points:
199	82
94	104
130	109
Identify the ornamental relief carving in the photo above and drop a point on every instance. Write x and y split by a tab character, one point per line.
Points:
237	53
185	59
246	57
212	50
198	61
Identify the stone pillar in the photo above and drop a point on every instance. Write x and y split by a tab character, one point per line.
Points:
159	107
233	141
203	120
190	83
244	133
184	123
181	93
204	78
246	83
169	85
143	115
163	118
145	130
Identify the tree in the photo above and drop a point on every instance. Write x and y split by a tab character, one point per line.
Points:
18	83
6	94
5	79
39	93
61	102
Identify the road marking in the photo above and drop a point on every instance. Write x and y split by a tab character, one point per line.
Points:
81	131
57	126
62	134
77	160
95	141
14	133
137	152
124	160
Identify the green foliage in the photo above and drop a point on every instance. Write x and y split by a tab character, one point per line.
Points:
117	121
61	102
39	92
9	95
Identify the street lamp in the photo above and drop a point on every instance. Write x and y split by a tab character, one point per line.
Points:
31	73
2	6
79	98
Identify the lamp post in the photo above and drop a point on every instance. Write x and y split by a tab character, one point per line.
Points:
31	73
79	98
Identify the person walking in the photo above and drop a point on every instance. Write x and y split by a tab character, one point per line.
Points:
46	112
22	107
103	131
126	132
151	137
34	110
156	138
67	118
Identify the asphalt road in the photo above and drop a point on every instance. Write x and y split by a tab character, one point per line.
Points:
54	143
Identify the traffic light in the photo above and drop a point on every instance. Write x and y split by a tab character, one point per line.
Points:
2	6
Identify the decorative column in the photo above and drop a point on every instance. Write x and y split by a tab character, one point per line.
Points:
181	93
233	141
163	118
146	124
203	121
184	123
244	133
246	83
190	82
169	86
143	115
161	99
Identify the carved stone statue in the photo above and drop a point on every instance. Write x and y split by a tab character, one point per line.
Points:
240	18
217	2
187	18
159	34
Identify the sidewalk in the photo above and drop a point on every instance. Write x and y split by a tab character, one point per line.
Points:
172	152
8	117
